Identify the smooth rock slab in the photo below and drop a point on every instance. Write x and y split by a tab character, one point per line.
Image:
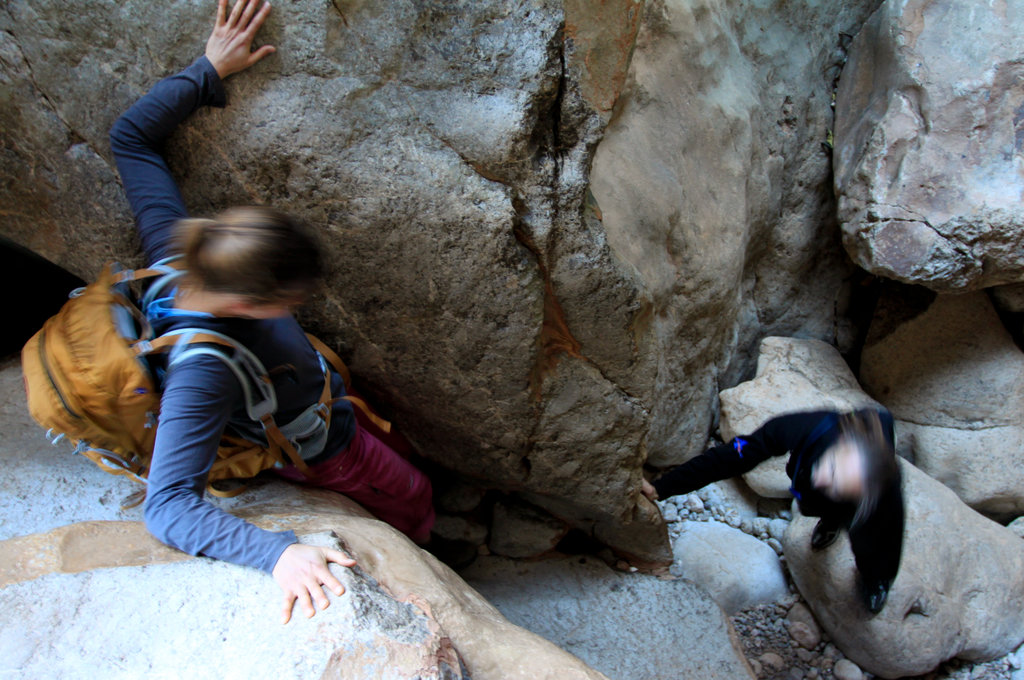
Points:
929	144
629	626
957	594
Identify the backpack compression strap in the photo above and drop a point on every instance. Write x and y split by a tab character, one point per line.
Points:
339	366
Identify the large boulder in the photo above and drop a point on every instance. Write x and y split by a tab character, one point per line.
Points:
954	380
441	152
957	594
712	186
195	625
928	144
792	375
404	615
555	229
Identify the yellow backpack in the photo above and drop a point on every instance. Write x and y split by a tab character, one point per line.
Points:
87	379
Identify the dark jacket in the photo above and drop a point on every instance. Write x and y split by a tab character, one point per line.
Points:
877	541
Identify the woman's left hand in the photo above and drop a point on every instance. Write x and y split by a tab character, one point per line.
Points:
229	48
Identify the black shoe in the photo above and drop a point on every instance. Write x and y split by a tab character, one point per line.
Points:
823	535
875	594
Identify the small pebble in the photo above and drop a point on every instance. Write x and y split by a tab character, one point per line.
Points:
804	635
847	670
755	666
775	545
777	527
771	662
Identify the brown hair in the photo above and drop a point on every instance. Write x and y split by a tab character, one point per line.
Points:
258	252
864	430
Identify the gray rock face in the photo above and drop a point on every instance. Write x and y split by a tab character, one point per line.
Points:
542	306
661	629
954	380
712	187
792	375
941	605
929	144
442	153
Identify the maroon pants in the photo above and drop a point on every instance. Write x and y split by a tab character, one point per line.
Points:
374	475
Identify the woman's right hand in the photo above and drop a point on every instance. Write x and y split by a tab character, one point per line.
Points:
229	48
302	573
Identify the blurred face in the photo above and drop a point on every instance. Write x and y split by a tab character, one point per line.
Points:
839	473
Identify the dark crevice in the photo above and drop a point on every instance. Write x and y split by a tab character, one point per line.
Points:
337	8
48	286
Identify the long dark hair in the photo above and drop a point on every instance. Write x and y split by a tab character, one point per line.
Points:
261	253
864	430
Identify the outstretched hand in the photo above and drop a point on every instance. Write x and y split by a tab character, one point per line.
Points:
648	490
229	48
302	573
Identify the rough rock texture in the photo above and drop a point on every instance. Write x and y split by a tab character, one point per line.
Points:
929	142
66	546
524	333
738	570
941	605
792	375
629	626
712	186
402	608
200	629
954	379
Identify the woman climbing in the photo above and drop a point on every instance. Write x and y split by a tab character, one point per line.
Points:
247	268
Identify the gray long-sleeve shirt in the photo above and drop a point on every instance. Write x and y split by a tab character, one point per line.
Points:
201	395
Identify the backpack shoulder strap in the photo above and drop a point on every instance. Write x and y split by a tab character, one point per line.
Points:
257	388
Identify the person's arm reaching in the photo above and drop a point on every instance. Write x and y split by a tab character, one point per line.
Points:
194	412
742	454
137	137
196	403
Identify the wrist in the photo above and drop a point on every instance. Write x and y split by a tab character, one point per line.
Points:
218	66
